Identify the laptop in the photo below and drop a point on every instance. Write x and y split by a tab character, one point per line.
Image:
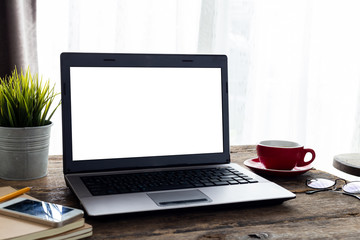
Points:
148	132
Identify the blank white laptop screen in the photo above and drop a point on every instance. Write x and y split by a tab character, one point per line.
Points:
125	112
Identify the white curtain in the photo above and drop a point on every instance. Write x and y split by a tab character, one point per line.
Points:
294	73
293	65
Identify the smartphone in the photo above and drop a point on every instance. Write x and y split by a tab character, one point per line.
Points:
50	214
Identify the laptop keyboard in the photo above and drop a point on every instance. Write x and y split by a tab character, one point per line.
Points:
164	180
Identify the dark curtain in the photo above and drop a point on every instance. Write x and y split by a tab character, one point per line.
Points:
18	45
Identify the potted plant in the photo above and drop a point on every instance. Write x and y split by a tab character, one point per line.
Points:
25	114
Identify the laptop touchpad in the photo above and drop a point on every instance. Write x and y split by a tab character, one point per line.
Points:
184	197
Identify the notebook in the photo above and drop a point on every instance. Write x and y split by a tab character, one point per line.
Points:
148	132
19	229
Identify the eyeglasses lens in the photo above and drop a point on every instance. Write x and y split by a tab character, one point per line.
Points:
321	183
352	187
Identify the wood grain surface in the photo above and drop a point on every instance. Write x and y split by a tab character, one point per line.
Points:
324	215
348	163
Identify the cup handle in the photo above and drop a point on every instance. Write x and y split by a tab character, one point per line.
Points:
302	162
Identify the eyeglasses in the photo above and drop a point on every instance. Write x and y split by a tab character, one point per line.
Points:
322	184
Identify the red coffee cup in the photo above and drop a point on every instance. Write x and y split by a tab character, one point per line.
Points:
283	155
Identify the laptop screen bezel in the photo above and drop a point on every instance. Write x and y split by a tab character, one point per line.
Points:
69	60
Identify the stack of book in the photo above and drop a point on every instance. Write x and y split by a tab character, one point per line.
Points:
19	229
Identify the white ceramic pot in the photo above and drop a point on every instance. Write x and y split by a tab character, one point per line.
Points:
24	152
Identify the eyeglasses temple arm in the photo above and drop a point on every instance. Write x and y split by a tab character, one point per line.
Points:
317	190
352	195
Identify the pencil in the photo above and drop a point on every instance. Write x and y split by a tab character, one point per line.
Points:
14	194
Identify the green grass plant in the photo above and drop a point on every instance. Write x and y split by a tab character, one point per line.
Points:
25	101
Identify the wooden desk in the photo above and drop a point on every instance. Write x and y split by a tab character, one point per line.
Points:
325	215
